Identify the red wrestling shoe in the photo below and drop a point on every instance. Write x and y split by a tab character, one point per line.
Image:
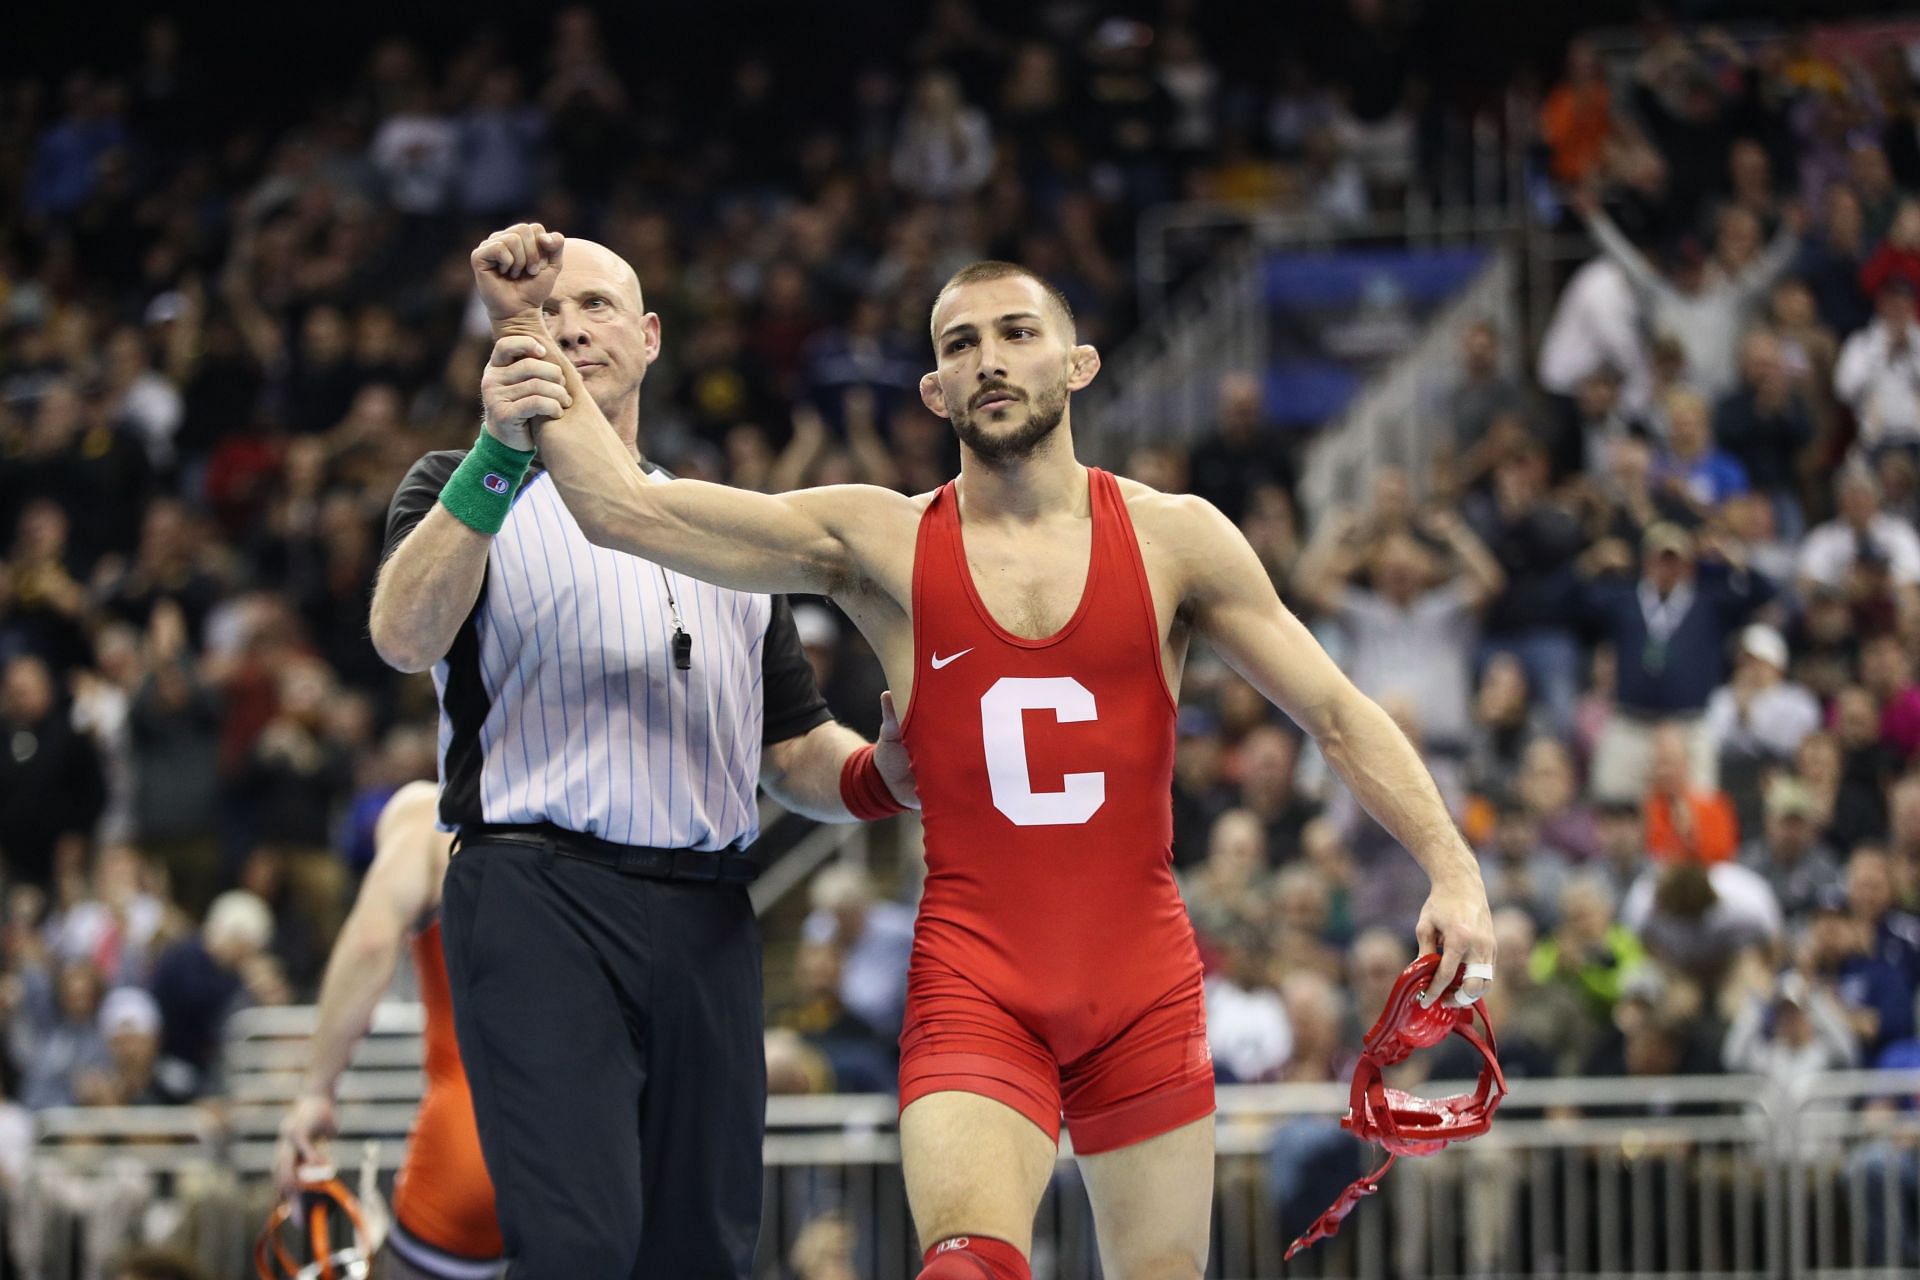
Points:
1403	1124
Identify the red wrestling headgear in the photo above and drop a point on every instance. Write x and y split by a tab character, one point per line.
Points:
1403	1124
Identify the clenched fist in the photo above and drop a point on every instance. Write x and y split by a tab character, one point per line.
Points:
521	385
515	269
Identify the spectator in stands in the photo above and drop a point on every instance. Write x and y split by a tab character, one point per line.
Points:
57	1036
1535	540
1201	792
130	1027
140	400
1549	789
1504	722
1308	927
197	981
1871	178
499	139
1696	918
1595	328
1247	1028
1759	717
1705	306
1895	933
1874	995
1519	871
874	936
859	1055
1588	953
1691	466
1879	371
1484	391
298	776
1317	1012
1576	120
1623	504
1796	1036
1620	829
1244	453
1229	888
1413	631
1669	632
1267	761
52	788
1861	530
1848	808
1590	420
118	925
945	146
1764	424
1832	260
1322	848
1685	823
1789	853
174	724
1886	670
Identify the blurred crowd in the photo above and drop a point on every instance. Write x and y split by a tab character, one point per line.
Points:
1653	620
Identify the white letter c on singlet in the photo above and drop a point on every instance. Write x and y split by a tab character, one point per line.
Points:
1004	732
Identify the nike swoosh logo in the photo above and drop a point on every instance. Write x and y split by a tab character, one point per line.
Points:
939	662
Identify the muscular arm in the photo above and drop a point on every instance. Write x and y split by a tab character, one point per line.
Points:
1232	603
401	885
426	589
789	542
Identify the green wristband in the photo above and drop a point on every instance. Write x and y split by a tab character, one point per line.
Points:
480	491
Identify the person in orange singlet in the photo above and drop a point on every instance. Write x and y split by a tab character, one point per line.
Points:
443	1219
1033	618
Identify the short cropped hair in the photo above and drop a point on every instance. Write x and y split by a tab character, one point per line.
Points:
992	269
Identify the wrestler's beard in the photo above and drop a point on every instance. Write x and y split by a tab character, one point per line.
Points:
1044	414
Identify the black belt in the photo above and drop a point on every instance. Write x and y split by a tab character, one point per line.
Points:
713	866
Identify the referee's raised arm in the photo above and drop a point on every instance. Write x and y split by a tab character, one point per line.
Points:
435	559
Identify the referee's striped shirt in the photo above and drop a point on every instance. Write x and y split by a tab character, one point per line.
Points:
560	702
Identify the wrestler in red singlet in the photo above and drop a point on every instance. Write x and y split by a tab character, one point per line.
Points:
1053	966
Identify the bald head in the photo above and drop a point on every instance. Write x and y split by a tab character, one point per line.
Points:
588	262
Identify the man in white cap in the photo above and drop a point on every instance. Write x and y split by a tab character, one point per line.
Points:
1759	714
129	1022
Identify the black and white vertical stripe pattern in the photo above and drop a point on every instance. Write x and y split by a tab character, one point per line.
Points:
581	718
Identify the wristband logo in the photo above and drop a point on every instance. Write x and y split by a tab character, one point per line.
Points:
495	482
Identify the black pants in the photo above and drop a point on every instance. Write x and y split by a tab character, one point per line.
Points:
611	1029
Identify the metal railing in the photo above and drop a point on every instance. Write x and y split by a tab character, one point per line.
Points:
1722	1176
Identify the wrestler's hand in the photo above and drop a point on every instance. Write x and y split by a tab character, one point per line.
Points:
522	385
890	756
514	269
304	1133
1458	923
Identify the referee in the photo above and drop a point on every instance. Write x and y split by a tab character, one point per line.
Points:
602	726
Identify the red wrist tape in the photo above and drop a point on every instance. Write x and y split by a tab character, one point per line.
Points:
863	790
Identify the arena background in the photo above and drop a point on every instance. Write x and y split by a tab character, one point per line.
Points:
1447	303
